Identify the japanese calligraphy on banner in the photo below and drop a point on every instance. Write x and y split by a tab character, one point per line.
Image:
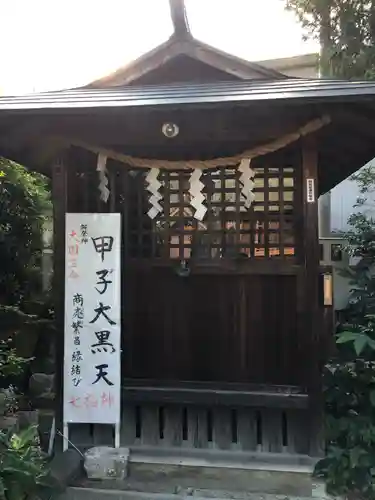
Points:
92	363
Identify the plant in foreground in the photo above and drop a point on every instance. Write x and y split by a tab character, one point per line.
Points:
349	465
24	471
11	365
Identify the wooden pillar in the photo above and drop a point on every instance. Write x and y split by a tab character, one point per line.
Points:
313	309
59	199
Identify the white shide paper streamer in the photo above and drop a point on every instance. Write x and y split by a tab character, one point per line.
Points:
101	168
197	197
246	179
153	186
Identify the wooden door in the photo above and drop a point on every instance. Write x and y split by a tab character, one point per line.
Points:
224	328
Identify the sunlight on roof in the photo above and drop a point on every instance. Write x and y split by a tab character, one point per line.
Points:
62	44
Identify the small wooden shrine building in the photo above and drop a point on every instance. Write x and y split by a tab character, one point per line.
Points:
215	165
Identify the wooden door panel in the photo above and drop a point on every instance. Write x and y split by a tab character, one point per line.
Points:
211	328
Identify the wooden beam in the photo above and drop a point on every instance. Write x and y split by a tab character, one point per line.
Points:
225	266
210	394
359	123
214	398
313	313
145	129
250	152
25	132
59	198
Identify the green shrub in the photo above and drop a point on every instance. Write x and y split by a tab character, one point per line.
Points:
24	203
24	471
10	363
349	465
349	380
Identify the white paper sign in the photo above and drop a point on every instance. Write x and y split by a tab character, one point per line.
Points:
92	366
310	190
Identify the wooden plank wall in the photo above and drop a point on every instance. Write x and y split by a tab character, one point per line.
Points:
259	326
60	207
314	317
267	430
213	328
218	327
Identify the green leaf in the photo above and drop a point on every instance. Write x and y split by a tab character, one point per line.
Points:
28	436
346	336
2	488
16	492
372	398
360	340
360	343
23	466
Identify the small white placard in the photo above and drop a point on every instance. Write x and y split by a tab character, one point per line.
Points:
310	190
92	367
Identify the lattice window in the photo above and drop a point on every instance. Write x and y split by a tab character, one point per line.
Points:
229	229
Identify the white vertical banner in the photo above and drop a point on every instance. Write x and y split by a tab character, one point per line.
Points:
92	361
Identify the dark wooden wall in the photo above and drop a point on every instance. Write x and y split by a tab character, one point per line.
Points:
219	328
231	320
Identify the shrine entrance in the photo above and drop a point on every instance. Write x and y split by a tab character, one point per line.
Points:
213	301
190	299
214	166
224	322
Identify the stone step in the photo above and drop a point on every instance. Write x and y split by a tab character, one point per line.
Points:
159	470
169	477
77	493
152	473
197	484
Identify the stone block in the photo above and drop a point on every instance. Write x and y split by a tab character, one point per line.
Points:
66	467
276	482
9	423
27	418
41	384
104	462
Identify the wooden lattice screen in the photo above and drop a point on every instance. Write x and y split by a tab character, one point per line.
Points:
190	338
229	229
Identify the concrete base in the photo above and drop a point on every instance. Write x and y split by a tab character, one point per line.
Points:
104	462
170	471
100	494
156	473
173	478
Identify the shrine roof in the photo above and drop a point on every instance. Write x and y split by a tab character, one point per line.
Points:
229	117
291	89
